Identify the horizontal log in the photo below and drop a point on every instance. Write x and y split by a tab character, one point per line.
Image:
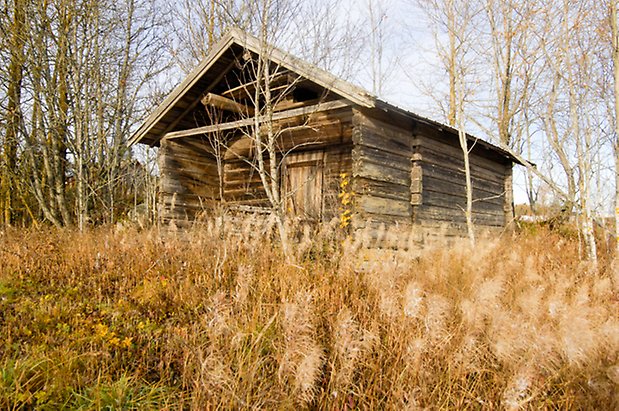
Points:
389	131
458	178
304	136
198	146
376	156
186	198
173	186
369	138
428	144
245	192
435	159
174	165
302	111
451	215
443	136
459	191
240	178
366	219
383	206
442	201
385	238
186	177
381	173
189	155
363	186
226	104
171	162
255	202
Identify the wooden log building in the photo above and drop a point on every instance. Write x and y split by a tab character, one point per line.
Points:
403	169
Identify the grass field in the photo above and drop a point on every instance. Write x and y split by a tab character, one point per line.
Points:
118	319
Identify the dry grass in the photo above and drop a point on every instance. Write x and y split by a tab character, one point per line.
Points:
120	319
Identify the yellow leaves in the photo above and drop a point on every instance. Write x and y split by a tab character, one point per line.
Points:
126	342
345	218
345	197
103	332
115	341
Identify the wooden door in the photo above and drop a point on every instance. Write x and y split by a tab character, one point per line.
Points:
303	182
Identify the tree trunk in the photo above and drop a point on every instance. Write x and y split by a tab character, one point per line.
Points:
615	40
13	114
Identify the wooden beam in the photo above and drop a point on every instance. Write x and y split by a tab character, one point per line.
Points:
194	103
286	105
245	90
226	104
302	111
173	98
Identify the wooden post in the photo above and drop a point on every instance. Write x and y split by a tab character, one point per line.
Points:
508	205
416	185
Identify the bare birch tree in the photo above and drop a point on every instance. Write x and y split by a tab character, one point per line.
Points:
453	31
12	114
569	112
614	25
75	83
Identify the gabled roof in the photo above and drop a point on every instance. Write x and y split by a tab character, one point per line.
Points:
202	78
186	96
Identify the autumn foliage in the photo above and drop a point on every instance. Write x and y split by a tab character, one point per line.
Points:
217	320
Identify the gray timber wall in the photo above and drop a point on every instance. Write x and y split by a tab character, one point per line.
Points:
381	155
443	193
189	182
410	174
327	132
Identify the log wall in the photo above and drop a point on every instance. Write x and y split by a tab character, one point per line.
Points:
411	175
443	198
381	155
404	173
326	132
189	182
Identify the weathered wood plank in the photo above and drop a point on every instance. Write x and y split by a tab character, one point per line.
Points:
302	111
436	160
381	173
458	190
376	156
186	187
427	145
197	146
245	192
452	215
451	200
226	104
389	131
445	137
303	136
366	219
381	205
457	178
363	186
366	137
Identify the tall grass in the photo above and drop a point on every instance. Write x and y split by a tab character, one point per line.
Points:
122	319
